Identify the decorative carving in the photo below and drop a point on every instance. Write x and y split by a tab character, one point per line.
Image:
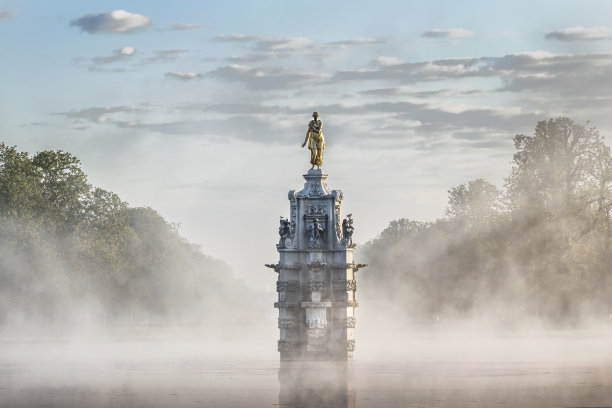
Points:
287	346
288	286
316	265
316	318
337	224
293	215
315	209
338	196
355	267
312	190
315	186
285	230
350	345
316	235
348	322
316	285
286	323
345	285
278	267
347	232
316	333
295	267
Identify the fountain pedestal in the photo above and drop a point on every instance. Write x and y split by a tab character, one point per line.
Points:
316	275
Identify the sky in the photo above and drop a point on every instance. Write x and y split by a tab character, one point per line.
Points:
198	108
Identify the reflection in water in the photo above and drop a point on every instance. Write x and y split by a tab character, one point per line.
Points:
316	384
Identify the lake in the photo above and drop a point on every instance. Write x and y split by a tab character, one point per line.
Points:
193	367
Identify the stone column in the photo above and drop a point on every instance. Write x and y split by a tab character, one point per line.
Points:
316	275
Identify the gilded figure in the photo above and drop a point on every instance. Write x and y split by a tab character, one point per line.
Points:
315	140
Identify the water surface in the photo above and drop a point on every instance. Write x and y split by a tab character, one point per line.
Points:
187	368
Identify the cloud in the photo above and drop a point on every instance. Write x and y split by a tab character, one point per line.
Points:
118	55
127	50
118	21
7	15
36	124
186	27
388	61
270	47
528	72
265	78
165	56
390	68
240	127
567	75
268	43
416	93
98	115
360	41
447	33
184	76
581	34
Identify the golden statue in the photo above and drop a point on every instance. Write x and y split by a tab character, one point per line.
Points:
316	141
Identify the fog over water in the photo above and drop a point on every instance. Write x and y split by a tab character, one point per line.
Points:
421	366
503	301
146	151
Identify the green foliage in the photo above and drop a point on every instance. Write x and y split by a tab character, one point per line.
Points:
540	248
71	252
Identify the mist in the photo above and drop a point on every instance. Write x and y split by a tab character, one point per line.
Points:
503	300
534	252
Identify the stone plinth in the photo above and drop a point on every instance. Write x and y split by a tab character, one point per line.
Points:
316	275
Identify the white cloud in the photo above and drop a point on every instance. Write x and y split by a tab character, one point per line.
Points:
448	33
266	48
581	34
165	56
127	50
266	78
7	15
186	27
360	41
118	55
269	43
98	114
118	21
184	76
389	61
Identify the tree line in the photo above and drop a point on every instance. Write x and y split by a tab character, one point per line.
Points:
538	247
71	253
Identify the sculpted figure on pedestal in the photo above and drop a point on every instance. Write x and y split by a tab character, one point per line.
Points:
316	234
316	141
284	230
347	231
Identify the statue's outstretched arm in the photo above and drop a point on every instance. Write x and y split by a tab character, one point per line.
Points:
306	138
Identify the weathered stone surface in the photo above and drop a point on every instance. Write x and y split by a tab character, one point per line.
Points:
345	284
316	275
288	286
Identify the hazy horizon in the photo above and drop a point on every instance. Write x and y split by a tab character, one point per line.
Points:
198	110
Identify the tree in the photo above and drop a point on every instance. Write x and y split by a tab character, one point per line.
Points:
554	168
64	188
473	205
542	248
68	248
